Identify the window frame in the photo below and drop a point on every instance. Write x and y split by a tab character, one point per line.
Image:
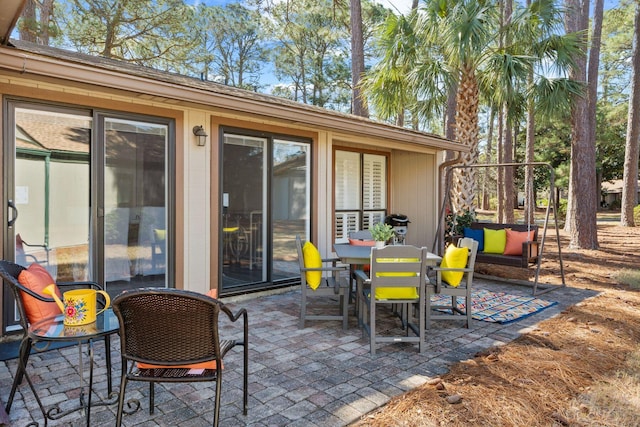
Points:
365	217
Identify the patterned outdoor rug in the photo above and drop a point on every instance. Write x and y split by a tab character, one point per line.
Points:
499	307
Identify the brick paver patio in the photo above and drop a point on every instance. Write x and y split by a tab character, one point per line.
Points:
317	376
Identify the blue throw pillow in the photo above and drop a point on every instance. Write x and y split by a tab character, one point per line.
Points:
477	235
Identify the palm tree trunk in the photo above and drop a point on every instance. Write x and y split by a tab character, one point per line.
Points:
464	182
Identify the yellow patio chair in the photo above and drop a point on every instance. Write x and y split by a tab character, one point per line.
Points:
397	277
454	278
315	283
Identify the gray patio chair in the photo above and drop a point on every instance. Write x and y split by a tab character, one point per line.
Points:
440	285
315	283
170	335
397	277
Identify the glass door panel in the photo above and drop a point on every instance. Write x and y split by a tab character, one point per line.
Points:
243	215
290	200
135	209
50	193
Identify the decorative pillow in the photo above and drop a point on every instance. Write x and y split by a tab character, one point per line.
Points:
159	234
494	241
409	292
312	259
36	278
358	242
454	257
477	235
515	239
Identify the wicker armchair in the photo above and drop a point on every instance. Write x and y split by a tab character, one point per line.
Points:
10	272
169	335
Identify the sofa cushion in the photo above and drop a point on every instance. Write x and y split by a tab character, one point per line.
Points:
515	239
494	241
477	235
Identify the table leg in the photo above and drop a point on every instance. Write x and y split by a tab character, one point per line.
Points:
90	344
107	349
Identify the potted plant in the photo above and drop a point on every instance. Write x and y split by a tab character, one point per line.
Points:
381	233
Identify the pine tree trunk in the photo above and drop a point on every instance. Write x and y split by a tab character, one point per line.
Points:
357	59
630	178
582	206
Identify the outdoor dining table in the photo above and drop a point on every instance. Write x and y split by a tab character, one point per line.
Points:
358	255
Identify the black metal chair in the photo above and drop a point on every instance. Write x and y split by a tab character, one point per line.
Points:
22	257
170	335
10	272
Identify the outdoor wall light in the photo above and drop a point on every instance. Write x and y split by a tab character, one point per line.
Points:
201	135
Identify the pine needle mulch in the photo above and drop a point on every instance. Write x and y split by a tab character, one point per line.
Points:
581	368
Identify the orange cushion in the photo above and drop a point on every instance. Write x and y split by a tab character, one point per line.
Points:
213	293
515	239
36	278
358	242
203	365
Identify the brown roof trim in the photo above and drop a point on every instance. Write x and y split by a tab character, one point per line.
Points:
11	11
31	59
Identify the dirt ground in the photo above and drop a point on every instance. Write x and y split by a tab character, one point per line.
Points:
581	368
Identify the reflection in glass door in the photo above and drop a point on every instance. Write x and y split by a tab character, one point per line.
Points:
48	189
243	213
290	194
266	193
135	207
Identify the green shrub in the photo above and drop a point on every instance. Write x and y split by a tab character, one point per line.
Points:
455	223
562	209
636	215
628	277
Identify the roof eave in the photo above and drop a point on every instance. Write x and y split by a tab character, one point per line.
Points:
45	66
12	9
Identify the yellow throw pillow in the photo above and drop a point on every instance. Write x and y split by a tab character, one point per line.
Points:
312	259
159	234
396	293
454	257
494	241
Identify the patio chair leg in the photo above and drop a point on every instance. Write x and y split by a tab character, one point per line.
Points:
152	395
345	309
23	355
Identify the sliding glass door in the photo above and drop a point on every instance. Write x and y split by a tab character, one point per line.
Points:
266	199
135	203
87	196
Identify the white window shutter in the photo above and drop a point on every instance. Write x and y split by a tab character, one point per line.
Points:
347	180
374	182
346	222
